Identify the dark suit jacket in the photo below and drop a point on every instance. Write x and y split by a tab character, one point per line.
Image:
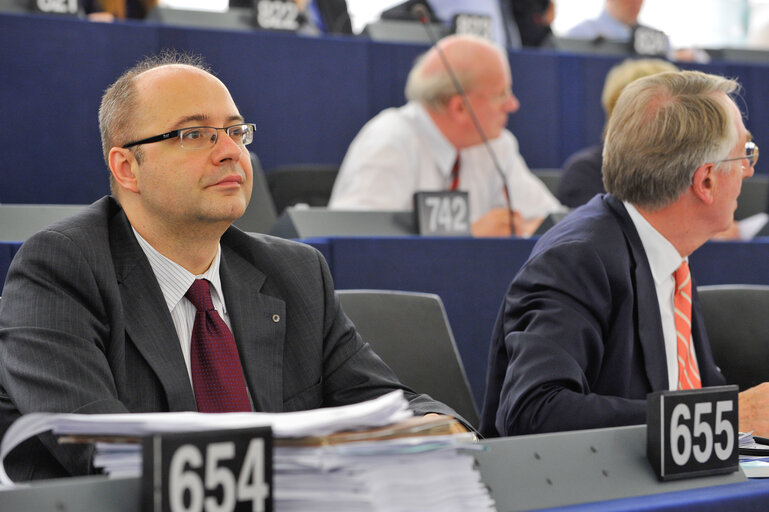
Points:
84	328
582	178
578	342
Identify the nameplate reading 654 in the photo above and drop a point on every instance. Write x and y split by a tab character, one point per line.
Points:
692	433
216	471
442	213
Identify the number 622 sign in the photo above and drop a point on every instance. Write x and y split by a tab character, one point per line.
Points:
217	471
692	433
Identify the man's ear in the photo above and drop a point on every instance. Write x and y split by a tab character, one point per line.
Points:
703	182
456	105
122	165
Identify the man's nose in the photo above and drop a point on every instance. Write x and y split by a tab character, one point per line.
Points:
226	148
512	104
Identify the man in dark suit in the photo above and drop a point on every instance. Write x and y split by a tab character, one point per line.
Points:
96	318
601	314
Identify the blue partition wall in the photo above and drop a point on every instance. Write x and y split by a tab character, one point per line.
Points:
307	96
472	277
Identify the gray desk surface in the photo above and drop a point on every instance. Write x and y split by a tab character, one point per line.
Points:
20	221
564	468
523	473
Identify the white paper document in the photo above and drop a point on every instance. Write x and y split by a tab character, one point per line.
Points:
385	410
364	457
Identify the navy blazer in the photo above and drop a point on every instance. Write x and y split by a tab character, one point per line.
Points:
578	341
84	328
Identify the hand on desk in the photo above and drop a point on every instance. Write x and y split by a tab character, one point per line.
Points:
496	222
754	410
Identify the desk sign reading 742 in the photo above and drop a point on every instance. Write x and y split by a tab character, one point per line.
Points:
692	433
216	471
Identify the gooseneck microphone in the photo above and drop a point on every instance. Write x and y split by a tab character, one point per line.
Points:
420	12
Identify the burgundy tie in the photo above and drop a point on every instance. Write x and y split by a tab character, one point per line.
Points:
455	174
217	376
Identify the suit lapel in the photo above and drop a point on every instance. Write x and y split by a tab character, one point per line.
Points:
259	326
148	322
648	323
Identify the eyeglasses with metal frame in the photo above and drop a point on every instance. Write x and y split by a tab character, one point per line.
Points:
751	155
198	137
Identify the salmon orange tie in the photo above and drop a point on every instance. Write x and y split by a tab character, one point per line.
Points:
688	374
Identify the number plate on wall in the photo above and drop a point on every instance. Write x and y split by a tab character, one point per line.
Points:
223	470
692	433
277	15
442	213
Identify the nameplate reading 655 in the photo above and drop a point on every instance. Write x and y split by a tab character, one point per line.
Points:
217	471
692	433
442	213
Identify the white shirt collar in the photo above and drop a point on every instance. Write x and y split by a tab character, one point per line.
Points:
175	280
663	257
443	152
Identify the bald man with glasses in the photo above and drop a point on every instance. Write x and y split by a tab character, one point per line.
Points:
150	300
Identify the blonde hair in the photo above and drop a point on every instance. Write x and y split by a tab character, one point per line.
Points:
663	127
628	71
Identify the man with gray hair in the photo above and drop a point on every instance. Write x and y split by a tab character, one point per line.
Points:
604	311
433	143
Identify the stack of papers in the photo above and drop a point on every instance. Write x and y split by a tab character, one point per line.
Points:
754	455
369	456
409	474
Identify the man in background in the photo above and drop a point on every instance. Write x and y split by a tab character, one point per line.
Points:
618	21
582	178
605	311
434	143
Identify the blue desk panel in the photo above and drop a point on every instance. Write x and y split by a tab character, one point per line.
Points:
308	96
472	277
7	252
750	496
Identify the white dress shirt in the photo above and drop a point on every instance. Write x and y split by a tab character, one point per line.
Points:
605	26
174	281
401	151
664	259
447	9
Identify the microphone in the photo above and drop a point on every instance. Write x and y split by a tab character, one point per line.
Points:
420	12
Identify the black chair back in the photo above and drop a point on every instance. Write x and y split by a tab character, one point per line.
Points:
411	333
737	321
308	184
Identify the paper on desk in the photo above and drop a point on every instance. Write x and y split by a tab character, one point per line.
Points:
364	471
386	409
441	479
